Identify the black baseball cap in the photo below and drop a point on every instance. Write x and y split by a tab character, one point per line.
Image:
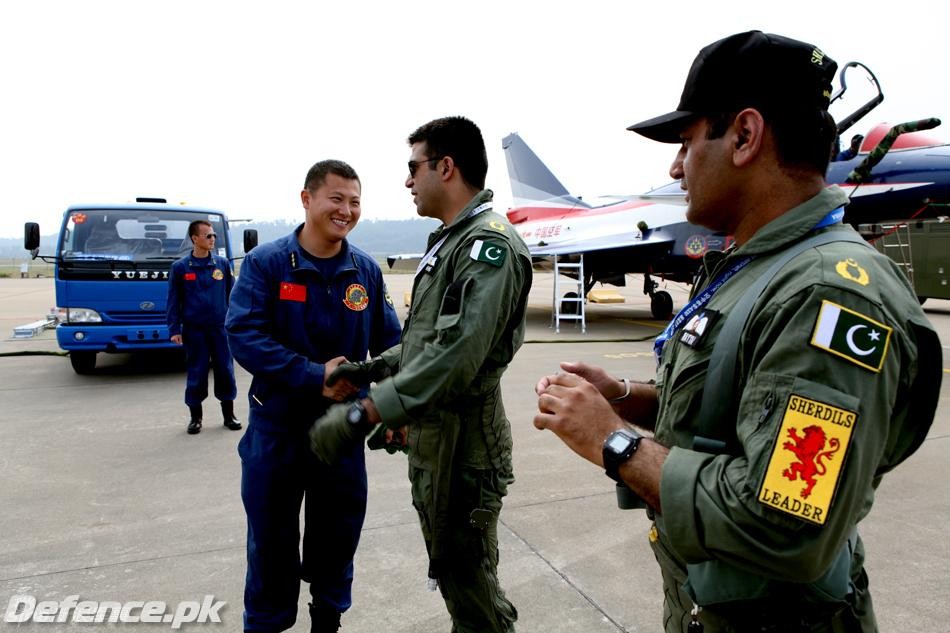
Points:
751	69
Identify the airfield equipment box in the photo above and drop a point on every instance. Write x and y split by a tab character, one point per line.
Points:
921	248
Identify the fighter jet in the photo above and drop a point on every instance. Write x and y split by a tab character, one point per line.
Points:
646	233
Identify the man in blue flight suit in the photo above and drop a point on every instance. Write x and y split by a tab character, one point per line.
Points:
302	305
199	285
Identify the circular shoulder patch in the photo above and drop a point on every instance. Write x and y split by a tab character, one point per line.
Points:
355	297
217	274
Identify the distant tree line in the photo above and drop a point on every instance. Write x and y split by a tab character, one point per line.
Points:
379	238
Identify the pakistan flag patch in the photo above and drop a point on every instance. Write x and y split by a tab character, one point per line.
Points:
851	335
489	252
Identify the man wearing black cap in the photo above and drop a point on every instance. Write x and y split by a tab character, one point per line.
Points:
801	370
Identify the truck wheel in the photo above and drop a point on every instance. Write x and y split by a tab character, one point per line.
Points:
83	362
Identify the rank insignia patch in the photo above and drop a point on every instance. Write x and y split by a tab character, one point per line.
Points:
696	327
217	275
807	459
490	252
355	297
849	269
498	226
852	336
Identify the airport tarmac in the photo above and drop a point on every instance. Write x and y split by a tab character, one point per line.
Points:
104	495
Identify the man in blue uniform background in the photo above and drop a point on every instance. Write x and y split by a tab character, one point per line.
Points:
199	285
302	305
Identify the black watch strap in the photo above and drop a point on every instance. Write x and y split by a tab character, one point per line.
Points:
618	448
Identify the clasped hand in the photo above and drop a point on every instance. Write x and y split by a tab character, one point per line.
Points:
572	405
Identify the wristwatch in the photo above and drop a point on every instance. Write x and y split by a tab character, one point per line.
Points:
356	415
618	448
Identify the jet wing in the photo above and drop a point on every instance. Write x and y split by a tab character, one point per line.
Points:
632	239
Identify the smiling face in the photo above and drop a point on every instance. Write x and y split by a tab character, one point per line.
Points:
332	210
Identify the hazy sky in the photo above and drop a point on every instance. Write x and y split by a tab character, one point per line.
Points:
227	104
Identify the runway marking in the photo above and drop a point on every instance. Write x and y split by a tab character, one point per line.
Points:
623	355
645	323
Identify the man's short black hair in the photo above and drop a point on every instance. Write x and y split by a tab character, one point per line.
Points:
193	227
319	172
459	138
803	139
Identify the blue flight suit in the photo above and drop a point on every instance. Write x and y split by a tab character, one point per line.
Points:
286	320
198	291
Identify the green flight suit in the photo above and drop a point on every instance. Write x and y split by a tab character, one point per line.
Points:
837	379
465	325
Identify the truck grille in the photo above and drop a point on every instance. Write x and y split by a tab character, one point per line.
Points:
133	318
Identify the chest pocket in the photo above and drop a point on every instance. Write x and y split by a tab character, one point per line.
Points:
453	304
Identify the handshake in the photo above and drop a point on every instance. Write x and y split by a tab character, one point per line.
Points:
344	422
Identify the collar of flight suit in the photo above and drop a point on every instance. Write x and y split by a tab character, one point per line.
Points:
201	261
299	261
794	224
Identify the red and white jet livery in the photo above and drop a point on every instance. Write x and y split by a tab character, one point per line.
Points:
646	234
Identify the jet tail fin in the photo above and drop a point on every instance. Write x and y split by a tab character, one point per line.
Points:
531	180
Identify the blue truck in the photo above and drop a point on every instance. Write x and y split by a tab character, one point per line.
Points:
111	270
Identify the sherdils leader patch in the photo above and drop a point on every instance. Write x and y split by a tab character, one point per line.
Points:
355	297
806	463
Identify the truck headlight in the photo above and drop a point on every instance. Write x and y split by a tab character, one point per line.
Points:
82	315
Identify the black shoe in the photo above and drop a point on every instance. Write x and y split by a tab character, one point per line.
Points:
227	410
194	426
323	619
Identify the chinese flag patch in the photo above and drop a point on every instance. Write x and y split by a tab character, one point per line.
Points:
190	276
292	292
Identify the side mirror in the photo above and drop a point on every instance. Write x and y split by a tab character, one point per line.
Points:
250	240
31	237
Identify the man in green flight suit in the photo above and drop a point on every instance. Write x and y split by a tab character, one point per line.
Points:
443	381
799	373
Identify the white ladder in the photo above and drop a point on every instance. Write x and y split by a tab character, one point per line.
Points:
895	243
576	314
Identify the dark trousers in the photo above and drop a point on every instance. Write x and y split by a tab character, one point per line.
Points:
278	472
207	347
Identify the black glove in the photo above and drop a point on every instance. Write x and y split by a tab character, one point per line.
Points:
377	440
360	374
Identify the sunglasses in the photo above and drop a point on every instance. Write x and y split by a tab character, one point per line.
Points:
414	164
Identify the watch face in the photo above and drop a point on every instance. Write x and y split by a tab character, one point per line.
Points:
618	443
354	415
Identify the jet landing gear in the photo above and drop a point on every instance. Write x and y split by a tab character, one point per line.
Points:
661	302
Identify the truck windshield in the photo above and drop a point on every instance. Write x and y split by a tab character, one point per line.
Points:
136	235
